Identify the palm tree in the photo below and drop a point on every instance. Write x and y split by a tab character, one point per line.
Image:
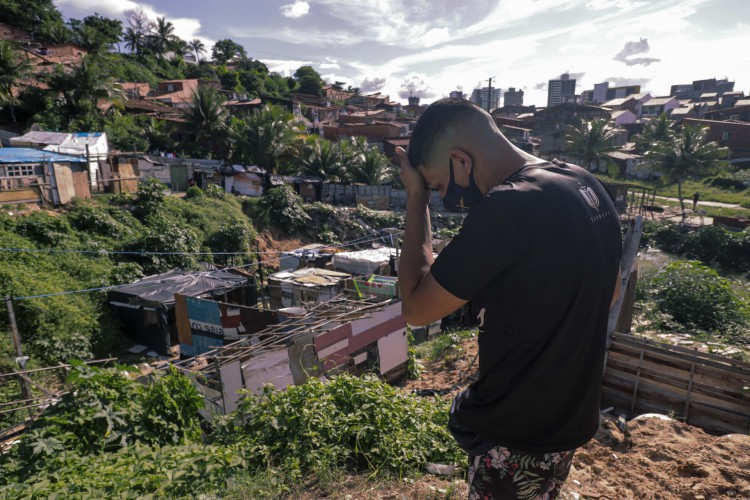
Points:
163	36
90	82
12	70
685	153
324	159
591	142
198	48
265	137
57	33
372	168
655	131
133	40
209	119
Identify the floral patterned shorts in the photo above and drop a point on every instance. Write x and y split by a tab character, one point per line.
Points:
503	473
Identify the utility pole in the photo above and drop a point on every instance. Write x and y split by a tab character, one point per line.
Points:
489	95
260	270
25	387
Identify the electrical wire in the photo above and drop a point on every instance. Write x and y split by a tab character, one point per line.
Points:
104	252
372	237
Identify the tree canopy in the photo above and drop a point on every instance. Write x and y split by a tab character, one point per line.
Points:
227	50
308	80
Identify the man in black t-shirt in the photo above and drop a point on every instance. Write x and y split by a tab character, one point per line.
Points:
538	254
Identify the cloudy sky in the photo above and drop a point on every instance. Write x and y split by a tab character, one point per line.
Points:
431	47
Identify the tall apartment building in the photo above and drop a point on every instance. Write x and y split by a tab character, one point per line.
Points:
603	93
457	94
561	90
698	87
513	97
486	98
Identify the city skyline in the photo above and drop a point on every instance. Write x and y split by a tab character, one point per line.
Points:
428	49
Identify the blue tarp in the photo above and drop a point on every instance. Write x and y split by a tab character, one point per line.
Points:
28	155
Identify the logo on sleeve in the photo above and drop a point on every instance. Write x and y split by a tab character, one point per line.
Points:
590	196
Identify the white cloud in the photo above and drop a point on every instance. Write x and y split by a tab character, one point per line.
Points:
373	84
295	10
329	63
417	85
284	67
186	28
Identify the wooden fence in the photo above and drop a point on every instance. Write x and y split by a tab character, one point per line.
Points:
699	388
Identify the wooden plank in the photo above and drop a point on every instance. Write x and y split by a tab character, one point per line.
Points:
717	392
20	195
184	333
710	380
630	339
627	260
64	182
126	171
717	420
706	367
81	185
648	382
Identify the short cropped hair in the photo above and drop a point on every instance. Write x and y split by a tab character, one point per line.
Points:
434	122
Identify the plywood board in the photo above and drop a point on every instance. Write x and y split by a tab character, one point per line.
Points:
393	350
126	171
64	181
268	368
183	320
81	185
231	383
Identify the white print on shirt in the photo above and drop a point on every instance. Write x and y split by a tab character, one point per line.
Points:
480	317
589	195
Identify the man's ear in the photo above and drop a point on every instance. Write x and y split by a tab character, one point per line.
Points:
462	165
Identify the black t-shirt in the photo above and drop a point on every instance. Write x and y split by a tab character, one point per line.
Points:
538	255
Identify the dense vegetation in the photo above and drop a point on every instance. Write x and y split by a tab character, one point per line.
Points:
107	439
691	297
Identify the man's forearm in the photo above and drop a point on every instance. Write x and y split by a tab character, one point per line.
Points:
416	255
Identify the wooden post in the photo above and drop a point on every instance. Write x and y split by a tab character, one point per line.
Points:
25	387
637	382
629	254
689	391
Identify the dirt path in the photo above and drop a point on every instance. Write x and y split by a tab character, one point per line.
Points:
689	202
646	458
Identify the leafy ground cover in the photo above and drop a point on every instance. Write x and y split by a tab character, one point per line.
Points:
113	436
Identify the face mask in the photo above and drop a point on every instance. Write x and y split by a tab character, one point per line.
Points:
459	199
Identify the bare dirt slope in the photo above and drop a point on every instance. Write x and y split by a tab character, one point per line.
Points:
648	458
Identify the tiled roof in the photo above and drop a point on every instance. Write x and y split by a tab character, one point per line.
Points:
659	101
185	95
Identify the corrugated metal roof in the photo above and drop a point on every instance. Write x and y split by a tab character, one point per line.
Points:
162	287
40	138
28	155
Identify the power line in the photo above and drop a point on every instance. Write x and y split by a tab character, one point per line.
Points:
373	237
103	252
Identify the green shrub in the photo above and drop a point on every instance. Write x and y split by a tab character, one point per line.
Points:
193	192
282	207
164	235
106	410
215	191
233	237
349	422
696	297
97	220
137	471
665	235
45	229
726	183
149	198
378	219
